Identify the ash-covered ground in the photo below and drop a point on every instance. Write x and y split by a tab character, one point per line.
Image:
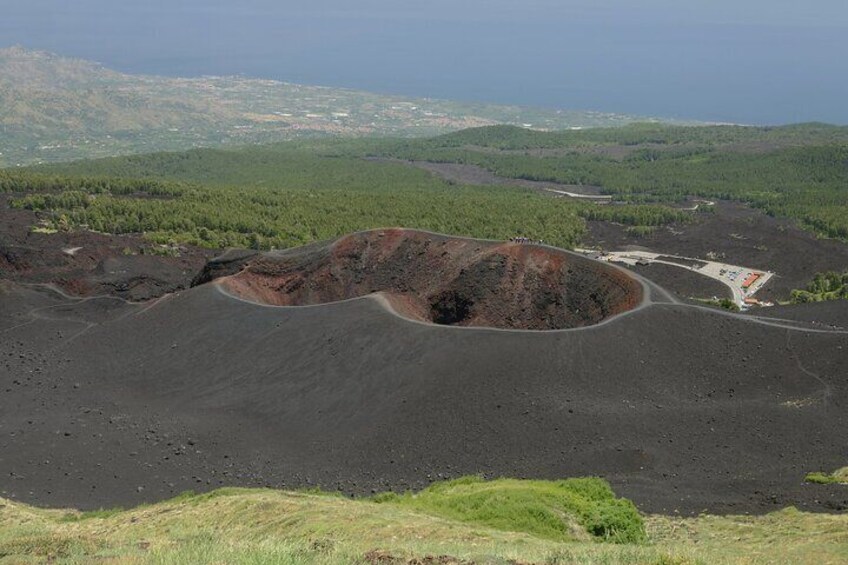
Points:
683	408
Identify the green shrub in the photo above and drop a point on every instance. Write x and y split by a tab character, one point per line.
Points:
550	509
840	476
819	478
824	286
641	231
728	304
725	303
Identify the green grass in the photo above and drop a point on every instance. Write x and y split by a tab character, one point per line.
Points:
43	229
559	510
840	476
89	514
503	521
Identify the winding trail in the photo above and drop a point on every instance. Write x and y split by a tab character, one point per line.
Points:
33	313
827	389
36	315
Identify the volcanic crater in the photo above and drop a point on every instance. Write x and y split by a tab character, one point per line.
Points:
436	279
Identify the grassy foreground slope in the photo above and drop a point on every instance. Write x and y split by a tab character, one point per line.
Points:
464	521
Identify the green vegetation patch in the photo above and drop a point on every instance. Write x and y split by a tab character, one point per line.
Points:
724	303
798	172
840	476
293	213
291	194
508	137
250	526
824	286
560	510
92	514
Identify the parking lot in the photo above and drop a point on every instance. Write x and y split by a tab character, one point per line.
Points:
744	282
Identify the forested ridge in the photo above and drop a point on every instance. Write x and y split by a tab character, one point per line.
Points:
508	137
277	217
291	193
799	172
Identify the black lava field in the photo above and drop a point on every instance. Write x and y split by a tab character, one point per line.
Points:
105	402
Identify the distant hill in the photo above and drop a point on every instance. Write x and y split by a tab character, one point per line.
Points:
655	135
54	108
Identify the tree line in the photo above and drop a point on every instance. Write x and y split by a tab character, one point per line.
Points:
289	194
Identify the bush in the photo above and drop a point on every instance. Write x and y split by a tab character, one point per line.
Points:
819	478
728	304
725	303
824	286
641	231
839	476
550	509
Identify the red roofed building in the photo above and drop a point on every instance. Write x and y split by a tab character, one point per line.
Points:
752	278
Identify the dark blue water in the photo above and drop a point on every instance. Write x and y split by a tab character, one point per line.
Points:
648	58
